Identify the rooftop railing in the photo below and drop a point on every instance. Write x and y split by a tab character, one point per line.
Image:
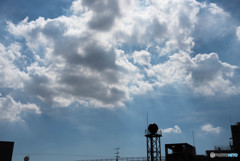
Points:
159	132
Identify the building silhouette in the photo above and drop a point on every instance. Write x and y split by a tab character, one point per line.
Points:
6	150
236	137
184	151
180	152
227	153
173	152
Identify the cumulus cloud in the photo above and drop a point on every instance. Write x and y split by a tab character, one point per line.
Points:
159	24
238	32
103	13
204	74
11	110
176	129
108	50
73	67
209	128
216	10
11	76
212	79
142	57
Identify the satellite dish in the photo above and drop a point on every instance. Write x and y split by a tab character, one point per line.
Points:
26	158
153	128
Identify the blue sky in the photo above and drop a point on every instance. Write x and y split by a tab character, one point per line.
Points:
78	78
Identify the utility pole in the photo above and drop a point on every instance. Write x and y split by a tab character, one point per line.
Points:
117	153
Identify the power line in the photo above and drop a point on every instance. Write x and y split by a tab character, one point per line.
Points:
57	154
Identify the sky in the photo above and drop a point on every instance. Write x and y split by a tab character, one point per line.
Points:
79	78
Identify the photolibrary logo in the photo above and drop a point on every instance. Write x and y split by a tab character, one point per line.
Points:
213	155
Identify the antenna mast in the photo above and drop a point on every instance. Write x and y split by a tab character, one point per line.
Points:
193	138
230	119
147	119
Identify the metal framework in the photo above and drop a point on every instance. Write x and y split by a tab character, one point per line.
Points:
121	159
153	146
117	153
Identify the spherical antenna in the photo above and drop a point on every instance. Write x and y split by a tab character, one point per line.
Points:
26	158
153	128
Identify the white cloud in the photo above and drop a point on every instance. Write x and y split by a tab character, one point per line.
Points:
210	129
216	10
158	23
11	110
74	67
210	76
212	22
103	13
11	76
88	57
142	57
77	7
238	32
204	74
176	129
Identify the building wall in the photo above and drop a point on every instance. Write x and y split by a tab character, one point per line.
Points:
6	150
236	136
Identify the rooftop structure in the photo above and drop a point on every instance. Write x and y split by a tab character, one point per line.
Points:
6	150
